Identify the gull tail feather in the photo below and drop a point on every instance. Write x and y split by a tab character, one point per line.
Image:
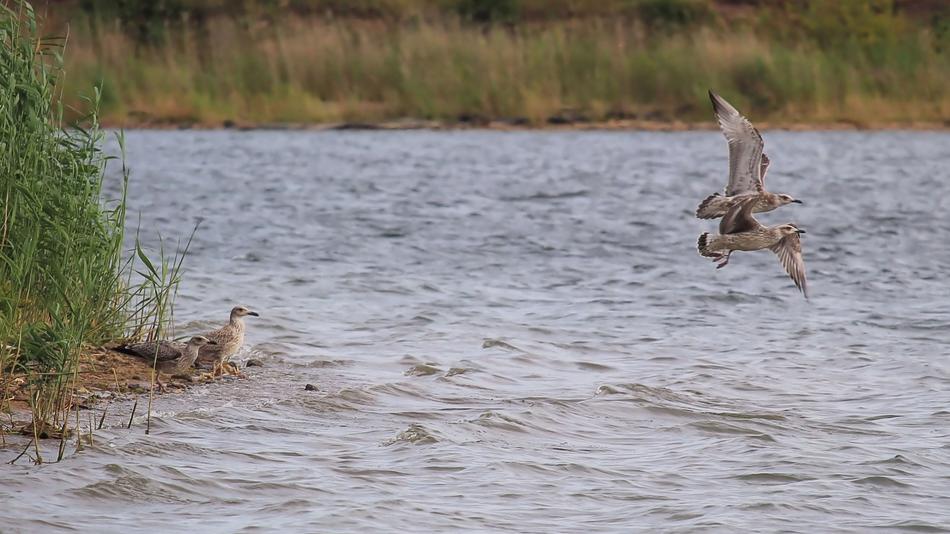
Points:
703	245
709	247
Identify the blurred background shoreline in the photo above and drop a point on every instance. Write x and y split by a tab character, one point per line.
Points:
637	64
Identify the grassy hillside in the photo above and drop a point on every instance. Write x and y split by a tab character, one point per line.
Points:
867	62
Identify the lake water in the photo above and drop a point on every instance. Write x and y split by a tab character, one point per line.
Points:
514	332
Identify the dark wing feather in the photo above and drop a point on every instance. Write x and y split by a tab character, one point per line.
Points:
789	251
745	148
167	350
739	217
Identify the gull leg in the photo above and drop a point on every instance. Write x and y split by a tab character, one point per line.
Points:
723	259
234	370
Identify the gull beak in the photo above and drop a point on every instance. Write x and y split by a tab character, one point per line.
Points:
796	201
800	231
255	314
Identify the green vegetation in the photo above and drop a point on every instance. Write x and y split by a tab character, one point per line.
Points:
865	62
63	282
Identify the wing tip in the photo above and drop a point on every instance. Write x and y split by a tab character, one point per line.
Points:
718	103
125	349
725	111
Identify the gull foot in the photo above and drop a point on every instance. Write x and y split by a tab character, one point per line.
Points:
723	259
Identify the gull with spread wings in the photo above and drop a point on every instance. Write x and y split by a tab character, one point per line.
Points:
747	166
738	230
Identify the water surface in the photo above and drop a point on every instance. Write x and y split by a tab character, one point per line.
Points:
513	332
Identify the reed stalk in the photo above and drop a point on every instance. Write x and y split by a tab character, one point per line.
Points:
66	280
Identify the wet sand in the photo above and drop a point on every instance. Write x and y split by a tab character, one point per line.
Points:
104	376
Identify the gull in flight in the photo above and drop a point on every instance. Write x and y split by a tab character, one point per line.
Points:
738	230
747	166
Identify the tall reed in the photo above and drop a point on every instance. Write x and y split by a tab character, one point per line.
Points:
64	283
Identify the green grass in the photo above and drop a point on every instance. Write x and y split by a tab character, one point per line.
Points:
858	61
64	282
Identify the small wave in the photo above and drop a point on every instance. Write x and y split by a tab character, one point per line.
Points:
592	366
751	415
422	369
355	395
880	480
772	478
488	343
456	371
492	419
319	364
916	526
894	460
415	434
131	487
719	427
734	297
546	196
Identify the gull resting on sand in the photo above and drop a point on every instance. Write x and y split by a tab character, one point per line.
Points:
170	357
229	339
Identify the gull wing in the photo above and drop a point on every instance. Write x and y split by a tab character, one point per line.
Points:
167	350
763	168
745	148
739	217
789	251
221	337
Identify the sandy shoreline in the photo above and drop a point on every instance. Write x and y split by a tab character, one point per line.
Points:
104	376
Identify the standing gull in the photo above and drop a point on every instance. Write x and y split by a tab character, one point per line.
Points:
739	230
229	339
170	357
747	166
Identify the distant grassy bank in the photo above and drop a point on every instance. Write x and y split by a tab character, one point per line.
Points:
863	62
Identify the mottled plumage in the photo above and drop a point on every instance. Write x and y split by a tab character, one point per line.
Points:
747	166
229	339
172	356
739	230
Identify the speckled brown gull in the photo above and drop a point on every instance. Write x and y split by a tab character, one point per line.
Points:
747	166
170	356
229	338
739	230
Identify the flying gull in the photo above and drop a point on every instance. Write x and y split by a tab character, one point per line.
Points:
738	230
747	166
